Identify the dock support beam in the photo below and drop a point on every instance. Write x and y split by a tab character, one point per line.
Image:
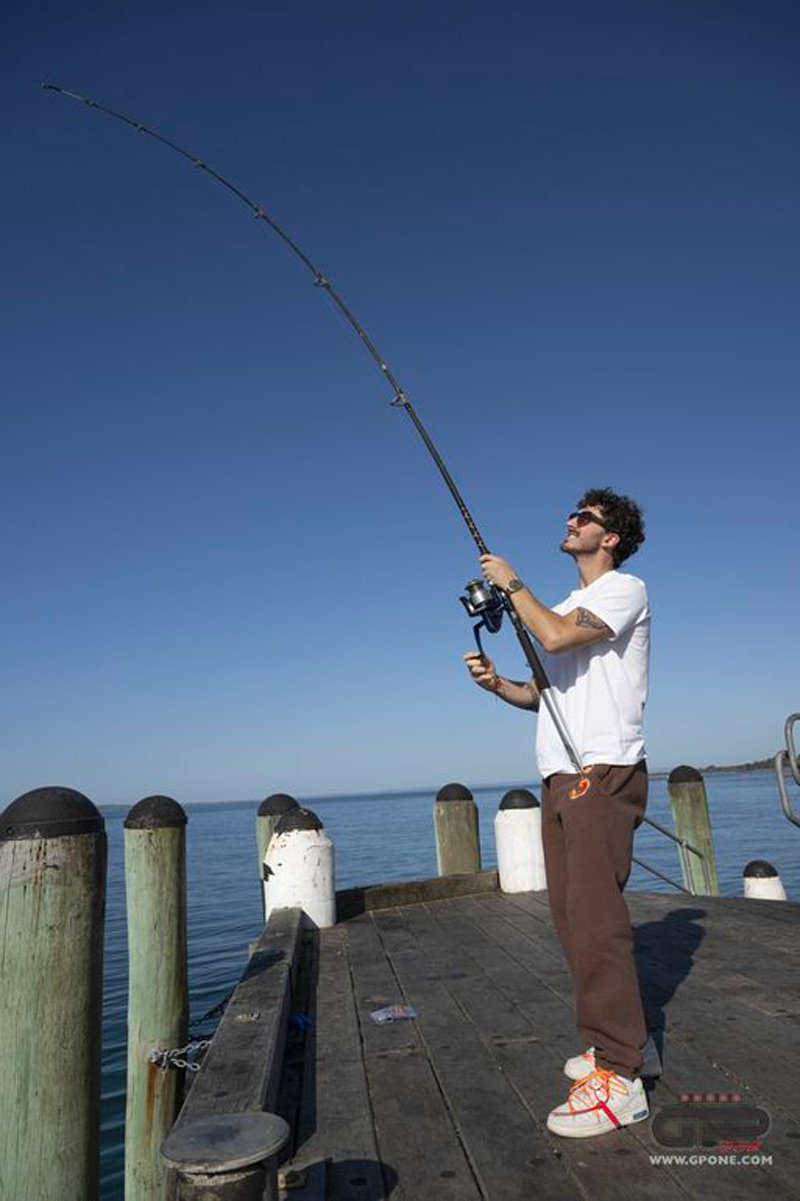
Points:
455	821
158	997
52	908
687	794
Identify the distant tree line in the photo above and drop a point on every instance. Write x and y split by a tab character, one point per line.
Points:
756	765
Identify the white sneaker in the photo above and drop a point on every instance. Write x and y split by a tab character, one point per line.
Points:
600	1102
581	1065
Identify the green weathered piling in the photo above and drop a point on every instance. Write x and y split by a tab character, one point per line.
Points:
155	887
687	794
52	908
455	820
270	811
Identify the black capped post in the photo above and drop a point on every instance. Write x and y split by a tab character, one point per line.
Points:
455	822
299	869
761	882
270	811
687	794
518	838
158	993
52	907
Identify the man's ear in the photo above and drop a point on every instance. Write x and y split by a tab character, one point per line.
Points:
610	541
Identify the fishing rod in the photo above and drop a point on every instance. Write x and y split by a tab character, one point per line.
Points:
483	600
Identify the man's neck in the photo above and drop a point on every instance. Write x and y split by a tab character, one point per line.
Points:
591	567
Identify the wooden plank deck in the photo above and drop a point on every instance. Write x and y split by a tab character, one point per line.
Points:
453	1105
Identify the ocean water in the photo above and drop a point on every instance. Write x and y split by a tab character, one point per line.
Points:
377	838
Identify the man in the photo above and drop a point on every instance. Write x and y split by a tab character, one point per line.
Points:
596	645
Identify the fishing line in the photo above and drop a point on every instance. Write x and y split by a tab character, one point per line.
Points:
482	600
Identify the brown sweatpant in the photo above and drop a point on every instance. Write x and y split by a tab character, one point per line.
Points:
588	844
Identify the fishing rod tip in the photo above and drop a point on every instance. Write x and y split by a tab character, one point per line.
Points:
51	87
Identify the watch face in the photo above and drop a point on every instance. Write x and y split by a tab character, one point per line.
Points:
514	585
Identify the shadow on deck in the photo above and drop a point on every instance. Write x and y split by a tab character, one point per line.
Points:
452	1106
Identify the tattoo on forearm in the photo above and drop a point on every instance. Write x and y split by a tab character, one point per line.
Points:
585	618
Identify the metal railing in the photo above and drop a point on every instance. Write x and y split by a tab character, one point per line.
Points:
685	848
789	756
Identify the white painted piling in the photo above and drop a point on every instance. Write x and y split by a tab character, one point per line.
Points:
761	882
518	838
270	811
300	869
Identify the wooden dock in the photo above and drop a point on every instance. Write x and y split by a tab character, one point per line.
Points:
452	1106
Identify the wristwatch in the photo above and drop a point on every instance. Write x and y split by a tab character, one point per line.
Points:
513	585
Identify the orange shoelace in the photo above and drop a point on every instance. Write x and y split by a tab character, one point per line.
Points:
598	1086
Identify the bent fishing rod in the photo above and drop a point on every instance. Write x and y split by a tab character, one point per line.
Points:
483	600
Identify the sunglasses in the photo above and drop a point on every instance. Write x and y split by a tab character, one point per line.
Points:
584	517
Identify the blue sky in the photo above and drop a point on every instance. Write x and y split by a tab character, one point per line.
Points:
572	228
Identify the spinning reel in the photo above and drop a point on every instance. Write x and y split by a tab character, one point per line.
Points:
487	602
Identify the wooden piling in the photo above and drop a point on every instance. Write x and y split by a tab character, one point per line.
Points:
52	908
455	820
760	881
155	887
227	1157
300	869
270	811
687	794
518	838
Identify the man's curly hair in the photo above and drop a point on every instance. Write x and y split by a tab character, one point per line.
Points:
624	517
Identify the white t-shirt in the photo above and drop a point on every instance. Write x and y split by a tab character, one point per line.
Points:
600	689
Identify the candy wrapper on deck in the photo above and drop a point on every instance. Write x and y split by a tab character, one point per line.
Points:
393	1013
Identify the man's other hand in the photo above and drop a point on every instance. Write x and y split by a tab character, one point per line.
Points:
482	670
